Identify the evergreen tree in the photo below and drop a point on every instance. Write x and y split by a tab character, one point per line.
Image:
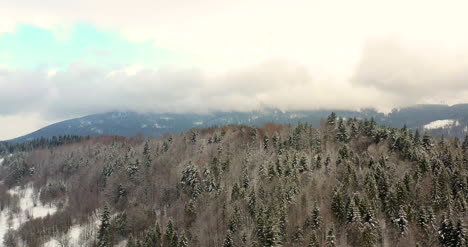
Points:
303	166
331	242
191	181
331	120
183	241
153	237
427	141
190	212
265	142
298	235
465	143
353	215
174	240
368	237
261	227
245	178
314	220
342	135
234	221
313	242
338	206
318	162
146	154
459	237
104	229
272	233
169	235
236	193
445	232
252	204
354	130
228	241
279	168
402	222
282	221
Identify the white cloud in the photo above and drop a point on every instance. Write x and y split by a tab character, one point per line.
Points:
20	124
297	54
414	72
324	35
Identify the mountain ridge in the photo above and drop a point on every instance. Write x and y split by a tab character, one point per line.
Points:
157	124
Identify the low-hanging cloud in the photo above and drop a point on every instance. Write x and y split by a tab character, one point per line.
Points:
414	72
81	90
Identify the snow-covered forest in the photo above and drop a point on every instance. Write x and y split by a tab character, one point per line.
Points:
344	183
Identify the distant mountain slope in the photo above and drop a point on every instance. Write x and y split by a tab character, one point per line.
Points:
157	124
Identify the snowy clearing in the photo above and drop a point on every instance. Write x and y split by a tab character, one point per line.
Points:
29	208
441	124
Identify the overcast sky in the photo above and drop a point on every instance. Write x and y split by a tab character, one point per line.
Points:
61	59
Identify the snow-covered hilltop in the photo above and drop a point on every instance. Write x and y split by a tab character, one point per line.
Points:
444	124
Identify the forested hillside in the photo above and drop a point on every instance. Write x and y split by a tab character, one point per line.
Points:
343	183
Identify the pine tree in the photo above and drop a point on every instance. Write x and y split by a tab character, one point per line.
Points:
279	168
228	241
282	221
272	233
459	236
331	120
338	206
354	130
193	137
146	154
174	240
265	142
236	193
303	164
183	241
342	134
427	141
298	234
313	221
313	242
353	215
402	222
331	238
252	204
261	226
104	229
261	171
465	143
271	171
245	178
190	212
234	221
153	237
191	181
445	231
170	232
368	237
318	162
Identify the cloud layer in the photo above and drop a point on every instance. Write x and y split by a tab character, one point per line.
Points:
414	72
293	55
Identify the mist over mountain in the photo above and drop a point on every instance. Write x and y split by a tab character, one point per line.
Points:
439	120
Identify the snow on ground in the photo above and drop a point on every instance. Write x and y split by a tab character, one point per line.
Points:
77	235
29	208
72	237
441	124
